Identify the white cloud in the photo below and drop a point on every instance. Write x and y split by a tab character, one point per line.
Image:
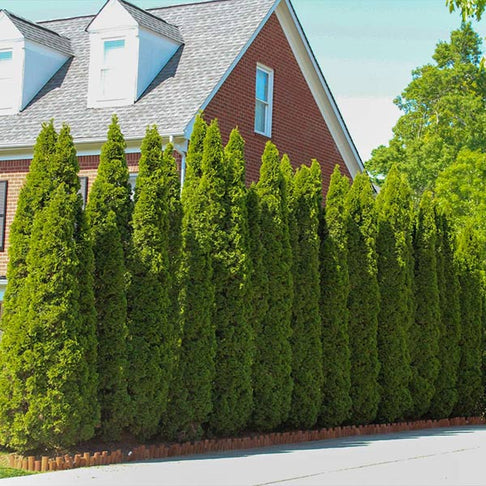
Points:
370	121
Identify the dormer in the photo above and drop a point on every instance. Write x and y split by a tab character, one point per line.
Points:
29	56
128	48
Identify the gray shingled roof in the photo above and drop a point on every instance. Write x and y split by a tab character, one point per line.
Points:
151	22
214	33
40	34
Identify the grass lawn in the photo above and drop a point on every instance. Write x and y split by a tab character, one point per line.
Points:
8	472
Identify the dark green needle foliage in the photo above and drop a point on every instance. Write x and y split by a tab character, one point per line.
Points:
190	400
48	378
469	383
395	269
108	212
149	329
232	392
363	300
336	365
445	396
33	196
307	371
424	332
272	379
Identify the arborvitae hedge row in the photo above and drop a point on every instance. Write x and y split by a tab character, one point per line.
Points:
334	281
272	379
363	300
306	343
395	263
108	212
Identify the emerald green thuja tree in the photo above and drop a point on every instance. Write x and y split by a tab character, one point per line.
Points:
32	198
150	332
272	379
307	373
445	396
395	268
363	300
108	212
171	178
424	332
336	365
224	182
48	378
469	383
190	400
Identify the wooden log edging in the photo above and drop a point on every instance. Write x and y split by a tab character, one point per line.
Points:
161	451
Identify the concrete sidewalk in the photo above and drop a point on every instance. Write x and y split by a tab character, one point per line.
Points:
453	456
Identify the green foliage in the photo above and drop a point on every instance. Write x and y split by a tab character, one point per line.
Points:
424	332
469	8
363	300
149	329
450	320
395	278
444	111
272	382
190	393
469	383
224	183
48	377
307	374
108	212
461	192
32	198
336	365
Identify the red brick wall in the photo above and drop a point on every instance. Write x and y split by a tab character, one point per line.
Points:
298	127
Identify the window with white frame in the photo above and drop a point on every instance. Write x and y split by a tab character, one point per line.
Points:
132	180
112	86
264	99
6	77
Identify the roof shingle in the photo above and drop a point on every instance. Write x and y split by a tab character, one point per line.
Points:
214	33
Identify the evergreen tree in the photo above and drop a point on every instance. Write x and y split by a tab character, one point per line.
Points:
469	383
150	332
336	365
108	212
48	375
395	270
363	300
306	343
450	321
424	332
224	183
190	395
272	379
36	190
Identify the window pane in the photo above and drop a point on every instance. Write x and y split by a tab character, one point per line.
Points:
113	52
5	55
262	85
260	117
112	83
132	180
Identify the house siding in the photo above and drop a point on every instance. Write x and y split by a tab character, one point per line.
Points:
298	127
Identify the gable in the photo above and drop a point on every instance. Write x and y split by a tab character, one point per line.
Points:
299	127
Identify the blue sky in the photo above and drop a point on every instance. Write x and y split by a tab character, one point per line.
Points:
366	48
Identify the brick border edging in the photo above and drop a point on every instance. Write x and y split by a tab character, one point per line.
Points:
46	463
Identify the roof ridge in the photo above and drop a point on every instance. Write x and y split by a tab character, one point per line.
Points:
187	4
146	12
30	22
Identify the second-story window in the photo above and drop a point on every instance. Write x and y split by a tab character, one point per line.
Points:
112	69
6	77
264	99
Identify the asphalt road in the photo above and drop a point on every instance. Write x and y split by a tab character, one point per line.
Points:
453	456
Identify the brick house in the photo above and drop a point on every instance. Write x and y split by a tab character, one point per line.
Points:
246	62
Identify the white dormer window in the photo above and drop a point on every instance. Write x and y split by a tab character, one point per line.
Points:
6	77
112	68
264	99
128	48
